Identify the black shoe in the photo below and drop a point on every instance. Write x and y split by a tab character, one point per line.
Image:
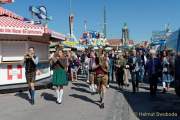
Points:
137	89
102	105
100	100
127	85
164	90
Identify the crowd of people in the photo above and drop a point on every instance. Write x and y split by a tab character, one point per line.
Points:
102	67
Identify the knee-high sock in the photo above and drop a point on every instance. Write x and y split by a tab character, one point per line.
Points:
164	84
93	88
57	92
61	95
33	94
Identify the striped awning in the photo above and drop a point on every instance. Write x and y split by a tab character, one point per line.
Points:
10	25
8	13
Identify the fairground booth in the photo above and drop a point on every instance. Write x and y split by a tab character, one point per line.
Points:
16	36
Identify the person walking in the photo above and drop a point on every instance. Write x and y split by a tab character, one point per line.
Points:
166	76
31	61
92	65
74	67
120	65
59	74
126	70
101	76
87	62
134	70
111	65
142	64
153	69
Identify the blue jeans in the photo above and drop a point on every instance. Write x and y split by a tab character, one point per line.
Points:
135	80
141	74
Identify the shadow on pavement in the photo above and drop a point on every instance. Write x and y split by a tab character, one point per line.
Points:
23	96
81	85
84	98
159	107
115	87
80	89
48	96
147	87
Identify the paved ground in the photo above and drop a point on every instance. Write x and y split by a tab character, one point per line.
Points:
79	104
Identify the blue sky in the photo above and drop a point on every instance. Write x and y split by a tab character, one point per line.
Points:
142	16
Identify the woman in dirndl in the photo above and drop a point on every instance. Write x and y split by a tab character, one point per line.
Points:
167	78
59	74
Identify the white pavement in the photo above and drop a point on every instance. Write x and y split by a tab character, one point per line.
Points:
78	104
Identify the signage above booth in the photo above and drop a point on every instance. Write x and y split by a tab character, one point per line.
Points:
19	31
57	35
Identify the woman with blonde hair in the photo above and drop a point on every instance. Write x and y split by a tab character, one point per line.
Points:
59	73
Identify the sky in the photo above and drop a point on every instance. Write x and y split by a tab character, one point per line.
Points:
141	16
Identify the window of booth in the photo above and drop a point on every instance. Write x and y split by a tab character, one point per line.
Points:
13	51
41	50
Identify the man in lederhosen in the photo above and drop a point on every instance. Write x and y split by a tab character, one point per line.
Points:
31	61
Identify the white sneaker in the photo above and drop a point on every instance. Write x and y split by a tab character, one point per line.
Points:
107	86
58	101
90	87
93	88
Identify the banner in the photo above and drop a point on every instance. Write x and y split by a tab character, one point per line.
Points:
21	31
70	43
